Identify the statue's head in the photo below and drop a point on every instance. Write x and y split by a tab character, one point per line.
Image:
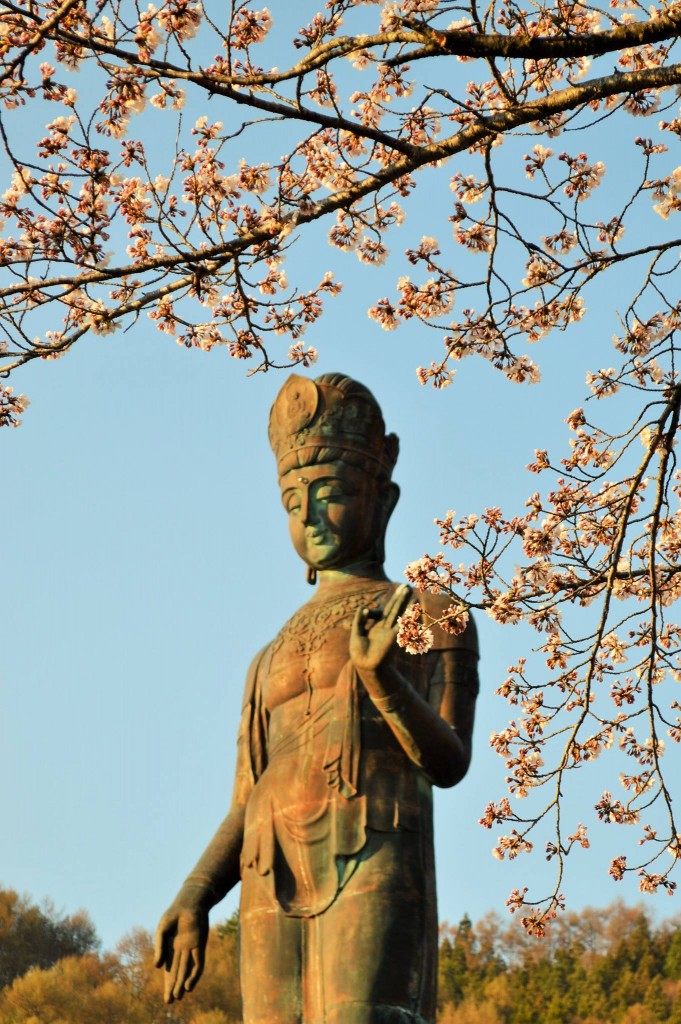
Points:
335	462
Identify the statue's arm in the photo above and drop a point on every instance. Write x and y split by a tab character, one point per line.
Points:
452	694
182	932
438	740
434	731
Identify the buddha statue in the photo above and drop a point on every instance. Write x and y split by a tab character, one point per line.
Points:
343	735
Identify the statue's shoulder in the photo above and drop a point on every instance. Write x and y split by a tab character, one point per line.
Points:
253	676
435	605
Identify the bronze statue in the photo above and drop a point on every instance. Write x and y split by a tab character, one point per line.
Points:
342	736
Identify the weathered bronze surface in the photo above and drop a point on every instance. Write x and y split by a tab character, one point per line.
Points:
342	736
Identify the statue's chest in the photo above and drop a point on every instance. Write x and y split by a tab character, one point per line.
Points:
311	649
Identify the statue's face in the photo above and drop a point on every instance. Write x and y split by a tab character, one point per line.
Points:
335	515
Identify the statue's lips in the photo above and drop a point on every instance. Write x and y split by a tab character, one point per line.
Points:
321	548
319	539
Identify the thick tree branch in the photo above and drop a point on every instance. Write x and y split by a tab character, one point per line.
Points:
525	46
445	42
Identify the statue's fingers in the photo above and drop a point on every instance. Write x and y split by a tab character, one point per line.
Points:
163	946
159	953
170	978
197	968
396	605
181	974
359	623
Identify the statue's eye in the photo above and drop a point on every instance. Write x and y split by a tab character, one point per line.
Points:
330	494
292	503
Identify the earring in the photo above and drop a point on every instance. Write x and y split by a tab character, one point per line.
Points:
311	575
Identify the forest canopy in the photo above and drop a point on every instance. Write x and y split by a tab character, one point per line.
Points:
599	966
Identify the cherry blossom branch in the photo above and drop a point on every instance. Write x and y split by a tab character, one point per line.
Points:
469	43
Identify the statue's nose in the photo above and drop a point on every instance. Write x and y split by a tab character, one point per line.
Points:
309	512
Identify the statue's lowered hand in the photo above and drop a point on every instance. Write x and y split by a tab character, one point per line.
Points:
181	939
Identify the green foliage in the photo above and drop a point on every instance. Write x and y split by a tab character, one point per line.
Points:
33	936
229	929
76	990
123	988
596	967
672	963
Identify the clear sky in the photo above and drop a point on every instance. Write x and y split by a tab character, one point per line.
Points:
146	560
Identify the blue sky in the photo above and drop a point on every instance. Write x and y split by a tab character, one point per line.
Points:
147	560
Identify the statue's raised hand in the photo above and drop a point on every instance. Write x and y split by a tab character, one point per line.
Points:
373	633
181	939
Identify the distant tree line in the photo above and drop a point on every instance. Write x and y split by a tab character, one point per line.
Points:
52	971
595	967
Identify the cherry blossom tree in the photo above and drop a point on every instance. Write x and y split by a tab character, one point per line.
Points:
104	226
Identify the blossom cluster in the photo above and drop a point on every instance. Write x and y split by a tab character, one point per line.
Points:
11	407
207	227
589	542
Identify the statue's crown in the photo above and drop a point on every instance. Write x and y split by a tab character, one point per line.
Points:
330	412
